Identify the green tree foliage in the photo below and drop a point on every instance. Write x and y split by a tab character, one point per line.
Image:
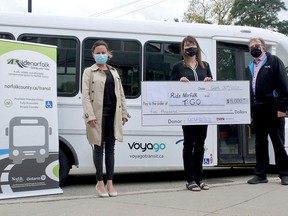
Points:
209	11
221	11
283	27
258	13
199	11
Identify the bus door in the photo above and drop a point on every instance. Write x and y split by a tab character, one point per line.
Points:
235	142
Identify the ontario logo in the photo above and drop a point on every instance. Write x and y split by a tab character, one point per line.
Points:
25	63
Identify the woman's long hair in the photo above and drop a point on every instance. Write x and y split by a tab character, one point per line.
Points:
192	40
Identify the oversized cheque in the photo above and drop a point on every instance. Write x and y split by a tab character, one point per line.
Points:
195	103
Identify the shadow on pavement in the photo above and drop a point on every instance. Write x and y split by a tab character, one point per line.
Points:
160	176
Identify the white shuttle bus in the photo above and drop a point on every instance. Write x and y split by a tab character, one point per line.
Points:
142	51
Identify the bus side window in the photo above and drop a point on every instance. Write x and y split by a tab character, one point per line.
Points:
68	51
6	36
160	58
126	59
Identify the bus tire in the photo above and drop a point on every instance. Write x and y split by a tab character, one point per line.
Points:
64	166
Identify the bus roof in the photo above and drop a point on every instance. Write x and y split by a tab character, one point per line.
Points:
119	25
225	33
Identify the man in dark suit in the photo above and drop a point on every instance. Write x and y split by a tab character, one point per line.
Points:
269	94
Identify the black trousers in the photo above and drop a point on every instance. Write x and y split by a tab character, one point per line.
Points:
107	148
193	151
267	123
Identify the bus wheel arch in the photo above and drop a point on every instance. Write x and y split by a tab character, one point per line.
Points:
66	160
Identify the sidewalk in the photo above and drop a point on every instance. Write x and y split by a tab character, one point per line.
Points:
236	198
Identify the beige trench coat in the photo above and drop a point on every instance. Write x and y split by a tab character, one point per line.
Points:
93	82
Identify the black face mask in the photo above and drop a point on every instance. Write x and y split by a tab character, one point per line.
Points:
256	52
191	51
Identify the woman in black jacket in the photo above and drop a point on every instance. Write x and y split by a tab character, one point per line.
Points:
192	68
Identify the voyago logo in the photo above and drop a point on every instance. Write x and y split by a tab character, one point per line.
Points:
25	63
147	146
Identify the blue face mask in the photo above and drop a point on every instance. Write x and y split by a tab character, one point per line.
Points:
101	58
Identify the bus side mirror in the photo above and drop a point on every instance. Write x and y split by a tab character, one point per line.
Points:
6	132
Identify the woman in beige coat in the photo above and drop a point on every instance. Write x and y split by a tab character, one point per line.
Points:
104	113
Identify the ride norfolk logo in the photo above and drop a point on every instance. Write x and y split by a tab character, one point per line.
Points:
25	64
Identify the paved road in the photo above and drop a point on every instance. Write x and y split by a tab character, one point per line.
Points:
160	193
138	180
